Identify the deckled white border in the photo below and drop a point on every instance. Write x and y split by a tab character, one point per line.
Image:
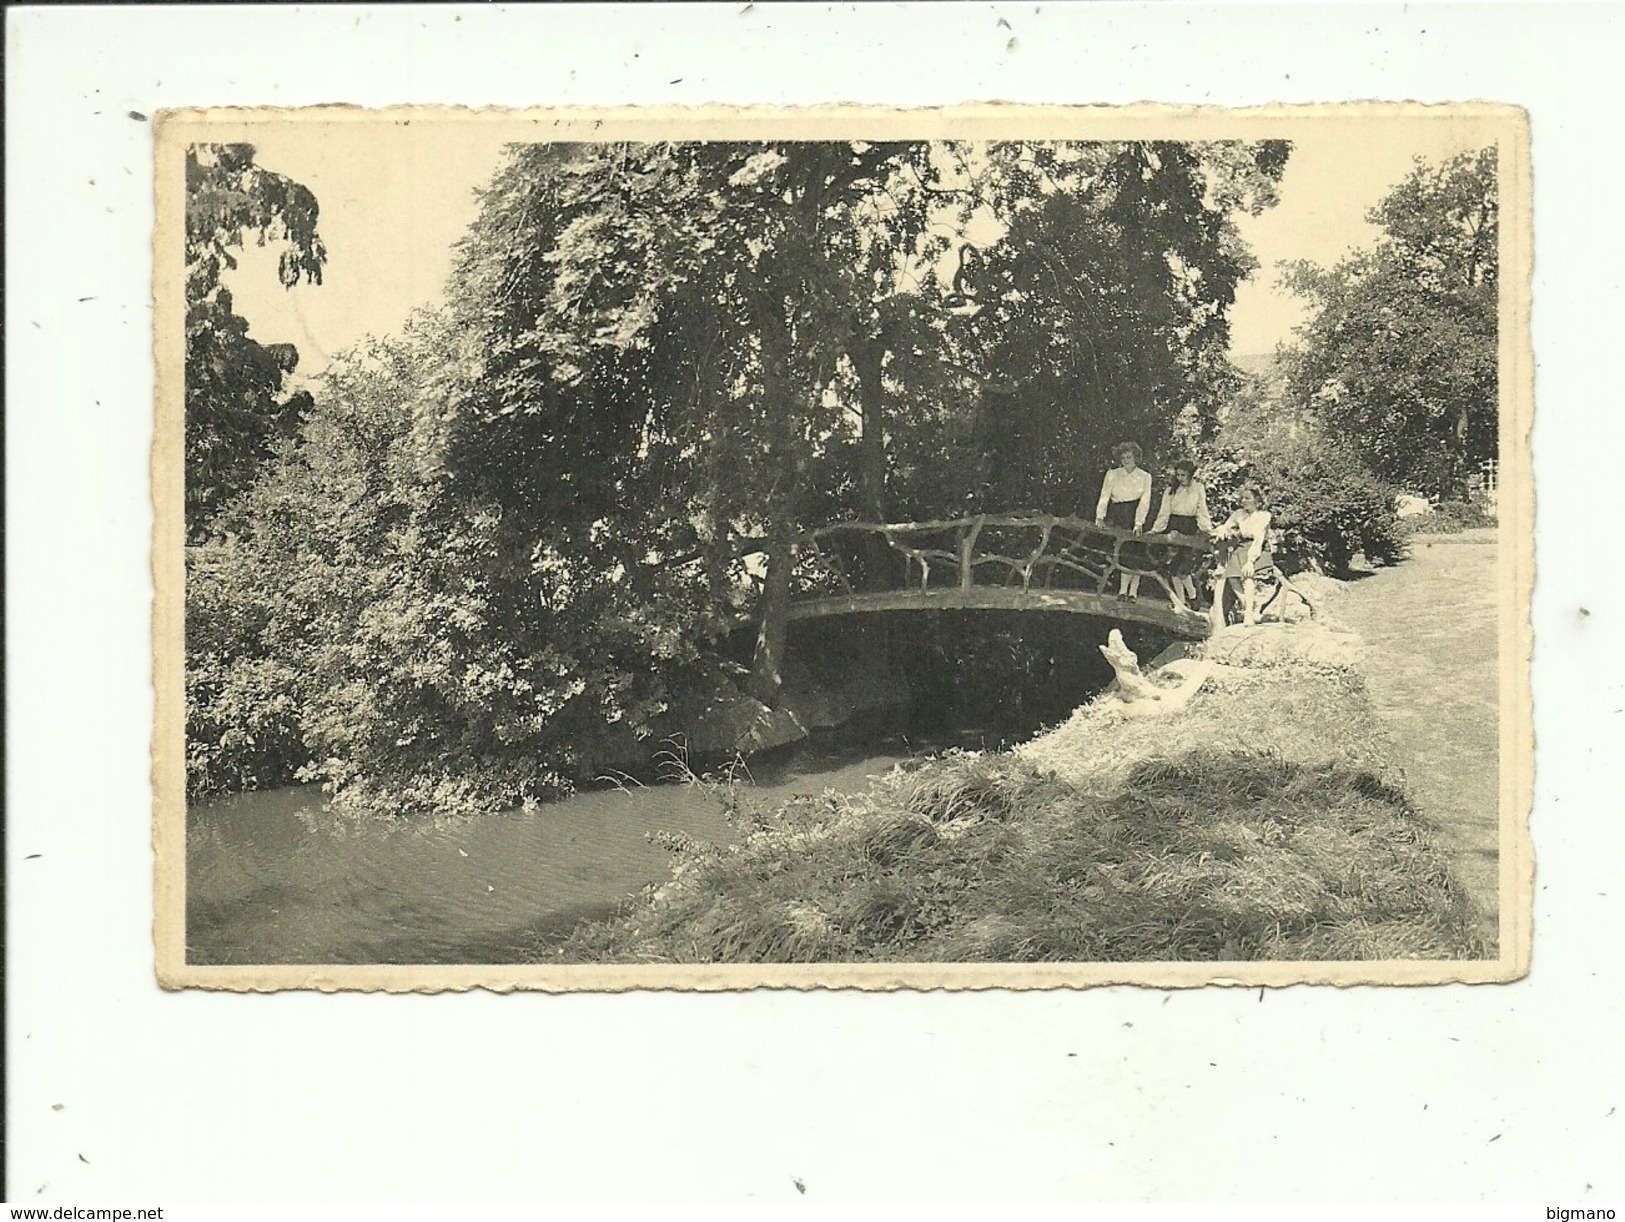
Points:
1112	1094
1502	125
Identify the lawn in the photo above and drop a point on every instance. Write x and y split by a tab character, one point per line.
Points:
1432	667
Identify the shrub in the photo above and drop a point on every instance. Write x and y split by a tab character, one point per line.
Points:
242	716
364	626
1450	518
1325	502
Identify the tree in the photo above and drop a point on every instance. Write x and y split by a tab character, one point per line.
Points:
704	347
660	364
667	325
1400	354
235	405
351	624
1109	294
280	597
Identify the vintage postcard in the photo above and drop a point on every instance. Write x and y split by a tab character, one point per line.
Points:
985	547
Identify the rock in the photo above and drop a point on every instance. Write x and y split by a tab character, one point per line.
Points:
771	728
738	724
817	708
820	693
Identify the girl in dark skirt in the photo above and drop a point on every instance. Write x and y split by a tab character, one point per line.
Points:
1184	512
1125	500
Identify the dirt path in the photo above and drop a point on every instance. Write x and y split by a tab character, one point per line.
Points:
1431	664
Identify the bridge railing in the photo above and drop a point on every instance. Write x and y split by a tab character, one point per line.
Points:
1029	550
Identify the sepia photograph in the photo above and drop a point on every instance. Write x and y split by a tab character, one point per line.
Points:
975	547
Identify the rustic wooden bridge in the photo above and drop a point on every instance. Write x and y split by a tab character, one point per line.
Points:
994	562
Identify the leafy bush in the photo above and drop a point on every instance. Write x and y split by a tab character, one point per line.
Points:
1324	500
1450	518
448	693
365	626
242	715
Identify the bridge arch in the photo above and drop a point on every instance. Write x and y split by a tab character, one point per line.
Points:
1020	561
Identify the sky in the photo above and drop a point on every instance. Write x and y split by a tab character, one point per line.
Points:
395	200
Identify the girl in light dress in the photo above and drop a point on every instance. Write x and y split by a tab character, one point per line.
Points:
1184	512
1248	532
1125	501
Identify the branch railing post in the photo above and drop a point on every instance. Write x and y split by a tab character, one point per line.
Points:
967	549
1043	543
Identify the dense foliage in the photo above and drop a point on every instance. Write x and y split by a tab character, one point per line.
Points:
517	538
1451	518
298	558
236	407
1399	357
1325	503
360	624
1391	385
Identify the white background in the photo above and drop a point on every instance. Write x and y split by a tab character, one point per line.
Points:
1493	1093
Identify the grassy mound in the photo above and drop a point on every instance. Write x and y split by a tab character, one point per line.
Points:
1264	822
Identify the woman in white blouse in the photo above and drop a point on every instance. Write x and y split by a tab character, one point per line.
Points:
1125	501
1184	512
1248	529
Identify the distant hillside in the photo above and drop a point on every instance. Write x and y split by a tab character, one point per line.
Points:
1253	362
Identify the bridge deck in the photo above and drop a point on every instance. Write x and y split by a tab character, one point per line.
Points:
1186	625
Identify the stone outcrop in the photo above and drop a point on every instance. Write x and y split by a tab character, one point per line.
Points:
736	724
729	722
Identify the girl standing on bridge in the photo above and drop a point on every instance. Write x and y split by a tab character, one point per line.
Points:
1125	500
1184	512
1248	529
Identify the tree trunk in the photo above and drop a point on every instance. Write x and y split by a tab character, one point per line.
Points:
765	680
719	548
1457	488
867	360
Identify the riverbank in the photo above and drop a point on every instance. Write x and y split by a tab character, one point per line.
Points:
1265	820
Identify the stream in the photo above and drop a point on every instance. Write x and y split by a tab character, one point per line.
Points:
275	877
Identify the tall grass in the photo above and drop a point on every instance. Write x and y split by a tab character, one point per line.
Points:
1262	823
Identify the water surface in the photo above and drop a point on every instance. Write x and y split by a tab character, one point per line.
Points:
275	877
